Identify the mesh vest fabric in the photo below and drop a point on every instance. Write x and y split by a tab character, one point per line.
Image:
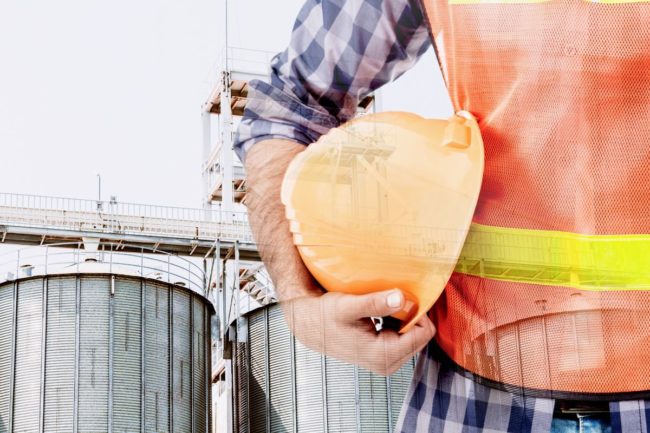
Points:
561	90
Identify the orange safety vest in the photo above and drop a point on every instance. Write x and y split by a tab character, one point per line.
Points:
561	89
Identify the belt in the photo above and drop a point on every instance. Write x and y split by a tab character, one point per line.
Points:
571	409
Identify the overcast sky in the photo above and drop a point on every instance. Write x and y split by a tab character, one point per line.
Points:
116	87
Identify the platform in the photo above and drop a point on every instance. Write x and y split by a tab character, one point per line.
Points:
39	220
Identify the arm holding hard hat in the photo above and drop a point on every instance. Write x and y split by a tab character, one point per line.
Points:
333	323
316	86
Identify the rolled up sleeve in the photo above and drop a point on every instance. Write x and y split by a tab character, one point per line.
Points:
340	52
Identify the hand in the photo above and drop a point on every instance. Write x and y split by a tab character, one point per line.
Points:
338	325
331	323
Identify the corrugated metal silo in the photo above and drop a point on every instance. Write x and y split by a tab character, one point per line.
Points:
281	386
103	352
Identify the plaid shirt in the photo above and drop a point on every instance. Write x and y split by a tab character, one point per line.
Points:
340	51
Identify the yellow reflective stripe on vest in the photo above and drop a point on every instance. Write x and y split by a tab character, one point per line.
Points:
586	262
618	1
473	2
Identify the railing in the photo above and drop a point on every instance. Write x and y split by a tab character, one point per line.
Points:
125	218
61	259
113	207
213	163
243	60
215	178
249	61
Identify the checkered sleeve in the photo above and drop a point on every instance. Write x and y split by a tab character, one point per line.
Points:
340	51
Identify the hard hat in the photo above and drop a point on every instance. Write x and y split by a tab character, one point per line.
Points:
385	201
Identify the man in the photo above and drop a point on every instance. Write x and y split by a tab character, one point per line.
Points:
561	92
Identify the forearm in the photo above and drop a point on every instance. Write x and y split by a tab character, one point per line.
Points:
266	164
333	323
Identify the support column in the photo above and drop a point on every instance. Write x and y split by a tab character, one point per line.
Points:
207	148
14	333
43	355
228	196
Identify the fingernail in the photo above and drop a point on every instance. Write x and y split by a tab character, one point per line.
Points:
394	300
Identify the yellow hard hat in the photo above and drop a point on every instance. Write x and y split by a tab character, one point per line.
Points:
385	201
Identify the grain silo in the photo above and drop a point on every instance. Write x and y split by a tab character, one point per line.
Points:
281	386
107	342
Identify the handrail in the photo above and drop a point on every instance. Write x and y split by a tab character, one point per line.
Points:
30	201
123	218
59	258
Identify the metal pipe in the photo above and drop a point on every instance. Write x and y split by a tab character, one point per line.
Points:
249	374
226	35
324	389
357	398
170	397
236	287
234	382
41	422
267	369
294	400
389	402
143	355
75	409
208	165
206	283
111	348
12	388
207	342
192	420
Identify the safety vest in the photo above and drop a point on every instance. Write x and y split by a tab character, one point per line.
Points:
550	294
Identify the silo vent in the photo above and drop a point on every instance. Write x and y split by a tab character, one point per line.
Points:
26	270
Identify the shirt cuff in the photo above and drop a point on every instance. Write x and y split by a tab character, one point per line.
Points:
272	113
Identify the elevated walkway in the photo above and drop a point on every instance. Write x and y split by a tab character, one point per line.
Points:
39	220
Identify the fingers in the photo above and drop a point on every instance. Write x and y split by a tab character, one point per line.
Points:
386	352
397	349
331	324
351	308
418	337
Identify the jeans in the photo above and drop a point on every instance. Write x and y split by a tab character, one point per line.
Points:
582	424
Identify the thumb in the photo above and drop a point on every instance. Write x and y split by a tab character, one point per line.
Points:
379	304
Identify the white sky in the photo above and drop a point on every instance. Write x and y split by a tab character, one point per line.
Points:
116	87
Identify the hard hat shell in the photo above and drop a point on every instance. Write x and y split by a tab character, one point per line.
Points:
385	201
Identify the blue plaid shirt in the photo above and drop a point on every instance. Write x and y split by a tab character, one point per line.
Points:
340	51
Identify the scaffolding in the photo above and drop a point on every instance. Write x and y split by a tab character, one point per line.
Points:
224	177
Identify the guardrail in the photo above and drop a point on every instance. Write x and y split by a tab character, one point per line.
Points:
125	218
242	60
61	259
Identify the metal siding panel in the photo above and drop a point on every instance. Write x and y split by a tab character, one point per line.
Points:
280	376
60	355
6	337
157	358
342	404
200	387
28	356
341	399
127	356
257	384
242	387
399	384
93	366
93	355
181	362
373	402
309	390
